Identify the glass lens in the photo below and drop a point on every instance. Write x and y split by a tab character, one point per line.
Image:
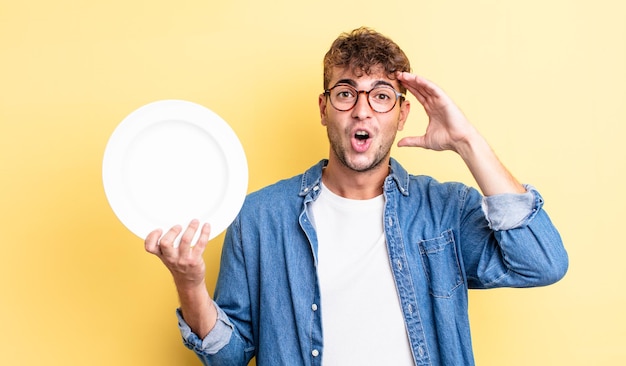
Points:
343	97
382	98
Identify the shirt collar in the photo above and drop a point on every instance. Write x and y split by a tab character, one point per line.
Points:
312	178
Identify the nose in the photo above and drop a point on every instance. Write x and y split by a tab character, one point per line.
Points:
362	107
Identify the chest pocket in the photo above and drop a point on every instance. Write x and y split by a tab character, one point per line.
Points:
441	264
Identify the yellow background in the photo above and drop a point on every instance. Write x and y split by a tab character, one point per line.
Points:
545	81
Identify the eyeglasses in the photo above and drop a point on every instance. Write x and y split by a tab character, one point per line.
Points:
381	98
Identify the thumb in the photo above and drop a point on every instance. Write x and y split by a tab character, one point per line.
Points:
415	141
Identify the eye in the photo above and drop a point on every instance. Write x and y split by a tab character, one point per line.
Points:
382	94
345	92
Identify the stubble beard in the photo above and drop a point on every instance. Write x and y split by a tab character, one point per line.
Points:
342	153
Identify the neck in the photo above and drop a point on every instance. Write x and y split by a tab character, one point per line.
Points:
351	184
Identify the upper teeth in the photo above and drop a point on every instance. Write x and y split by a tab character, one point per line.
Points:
361	134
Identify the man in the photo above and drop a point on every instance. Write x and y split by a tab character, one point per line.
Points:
356	262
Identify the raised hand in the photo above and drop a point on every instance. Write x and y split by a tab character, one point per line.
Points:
448	129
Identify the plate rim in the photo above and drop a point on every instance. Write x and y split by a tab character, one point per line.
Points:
226	140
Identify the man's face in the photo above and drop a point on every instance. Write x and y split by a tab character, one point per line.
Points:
361	138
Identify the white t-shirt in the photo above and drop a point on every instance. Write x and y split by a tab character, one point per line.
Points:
361	314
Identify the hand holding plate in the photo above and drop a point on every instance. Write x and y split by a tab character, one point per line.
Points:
184	261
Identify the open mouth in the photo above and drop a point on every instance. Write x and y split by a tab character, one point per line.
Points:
361	141
361	135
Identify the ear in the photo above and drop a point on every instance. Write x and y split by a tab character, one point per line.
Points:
322	102
405	108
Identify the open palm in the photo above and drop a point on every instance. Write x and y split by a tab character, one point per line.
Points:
447	126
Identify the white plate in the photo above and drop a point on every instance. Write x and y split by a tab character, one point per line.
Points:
172	161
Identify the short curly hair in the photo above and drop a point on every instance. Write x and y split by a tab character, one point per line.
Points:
362	50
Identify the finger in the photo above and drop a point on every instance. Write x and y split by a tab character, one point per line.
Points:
422	98
166	244
426	87
151	243
203	240
412	80
432	91
420	84
190	232
414	86
415	141
405	76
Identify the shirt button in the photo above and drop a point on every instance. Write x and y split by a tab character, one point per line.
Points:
314	307
420	351
399	264
315	353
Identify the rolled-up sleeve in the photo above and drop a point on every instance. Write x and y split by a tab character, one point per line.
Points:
217	338
509	211
511	242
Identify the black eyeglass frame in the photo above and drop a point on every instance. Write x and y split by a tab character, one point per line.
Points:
399	96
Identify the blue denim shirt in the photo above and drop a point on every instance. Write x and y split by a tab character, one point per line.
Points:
442	239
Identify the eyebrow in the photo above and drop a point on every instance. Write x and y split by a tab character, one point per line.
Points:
382	82
346	81
354	84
